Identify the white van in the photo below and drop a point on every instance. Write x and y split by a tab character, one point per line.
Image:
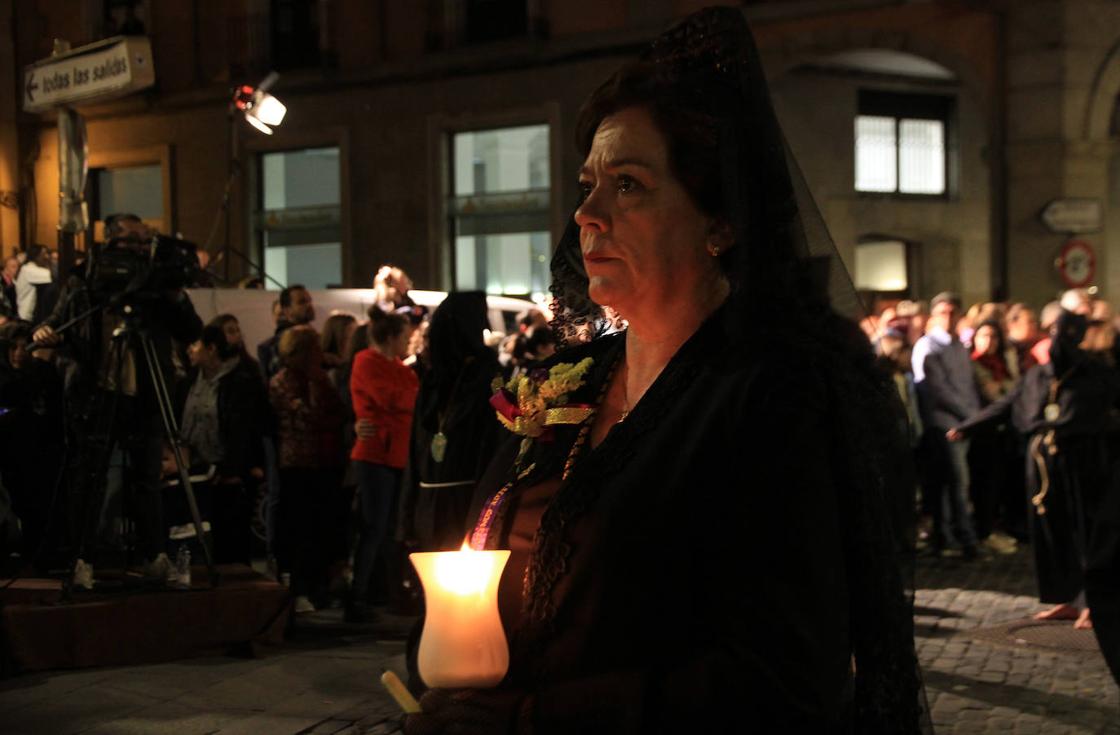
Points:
253	308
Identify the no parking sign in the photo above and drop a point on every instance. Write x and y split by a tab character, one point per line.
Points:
1077	263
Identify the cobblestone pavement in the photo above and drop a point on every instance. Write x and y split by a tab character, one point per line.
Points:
990	669
325	682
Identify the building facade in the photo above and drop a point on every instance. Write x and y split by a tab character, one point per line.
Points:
437	134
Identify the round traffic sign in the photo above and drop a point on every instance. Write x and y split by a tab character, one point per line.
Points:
1077	263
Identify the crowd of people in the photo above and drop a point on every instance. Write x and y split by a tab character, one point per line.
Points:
346	432
312	433
1012	418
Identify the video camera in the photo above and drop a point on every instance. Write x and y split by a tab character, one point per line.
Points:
126	266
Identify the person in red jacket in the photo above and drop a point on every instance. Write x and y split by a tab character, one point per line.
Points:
383	391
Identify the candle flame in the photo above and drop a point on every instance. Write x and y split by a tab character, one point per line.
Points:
464	572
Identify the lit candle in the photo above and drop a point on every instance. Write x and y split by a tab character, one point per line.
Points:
462	644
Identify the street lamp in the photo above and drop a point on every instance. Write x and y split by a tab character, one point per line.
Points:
263	111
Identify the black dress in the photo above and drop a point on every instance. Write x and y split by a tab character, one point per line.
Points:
690	571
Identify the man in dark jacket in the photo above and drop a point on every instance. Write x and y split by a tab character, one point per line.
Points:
295	309
948	395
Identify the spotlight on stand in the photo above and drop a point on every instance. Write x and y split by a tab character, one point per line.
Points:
263	111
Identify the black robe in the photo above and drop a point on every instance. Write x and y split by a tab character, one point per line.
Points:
437	496
690	574
1077	468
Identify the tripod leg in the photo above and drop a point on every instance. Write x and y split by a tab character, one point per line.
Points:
95	458
171	430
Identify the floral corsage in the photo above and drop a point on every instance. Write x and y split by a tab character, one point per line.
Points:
530	405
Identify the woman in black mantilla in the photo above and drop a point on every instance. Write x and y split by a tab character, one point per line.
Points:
709	550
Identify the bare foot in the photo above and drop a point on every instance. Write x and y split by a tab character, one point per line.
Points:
1059	612
1084	622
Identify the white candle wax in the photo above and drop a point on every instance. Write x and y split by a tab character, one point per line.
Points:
463	643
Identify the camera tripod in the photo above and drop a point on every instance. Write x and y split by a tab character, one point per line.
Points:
129	341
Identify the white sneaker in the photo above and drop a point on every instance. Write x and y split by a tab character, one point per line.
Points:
83	575
1001	543
160	569
303	605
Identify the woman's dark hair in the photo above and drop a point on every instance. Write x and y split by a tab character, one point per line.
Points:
11	333
214	336
334	333
221	320
691	135
359	340
997	329
384	326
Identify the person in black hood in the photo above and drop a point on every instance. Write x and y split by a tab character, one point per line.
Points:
1067	408
454	433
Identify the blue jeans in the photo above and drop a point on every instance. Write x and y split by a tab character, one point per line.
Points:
952	518
378	486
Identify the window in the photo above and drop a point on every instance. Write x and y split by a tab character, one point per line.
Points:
881	266
901	143
295	32
133	189
299	223
494	20
125	17
499	210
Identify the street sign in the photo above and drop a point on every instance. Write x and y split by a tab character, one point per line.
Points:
1072	216
1077	263
94	73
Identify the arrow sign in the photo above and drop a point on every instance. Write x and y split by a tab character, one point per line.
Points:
94	73
1071	216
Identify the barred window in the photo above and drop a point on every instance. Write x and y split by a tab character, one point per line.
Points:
901	144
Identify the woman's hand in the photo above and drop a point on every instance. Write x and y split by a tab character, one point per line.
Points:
365	429
466	712
954	435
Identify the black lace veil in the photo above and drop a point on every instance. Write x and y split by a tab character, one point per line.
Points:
787	282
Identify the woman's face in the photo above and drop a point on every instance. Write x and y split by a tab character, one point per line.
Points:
985	341
232	331
200	354
641	236
18	355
